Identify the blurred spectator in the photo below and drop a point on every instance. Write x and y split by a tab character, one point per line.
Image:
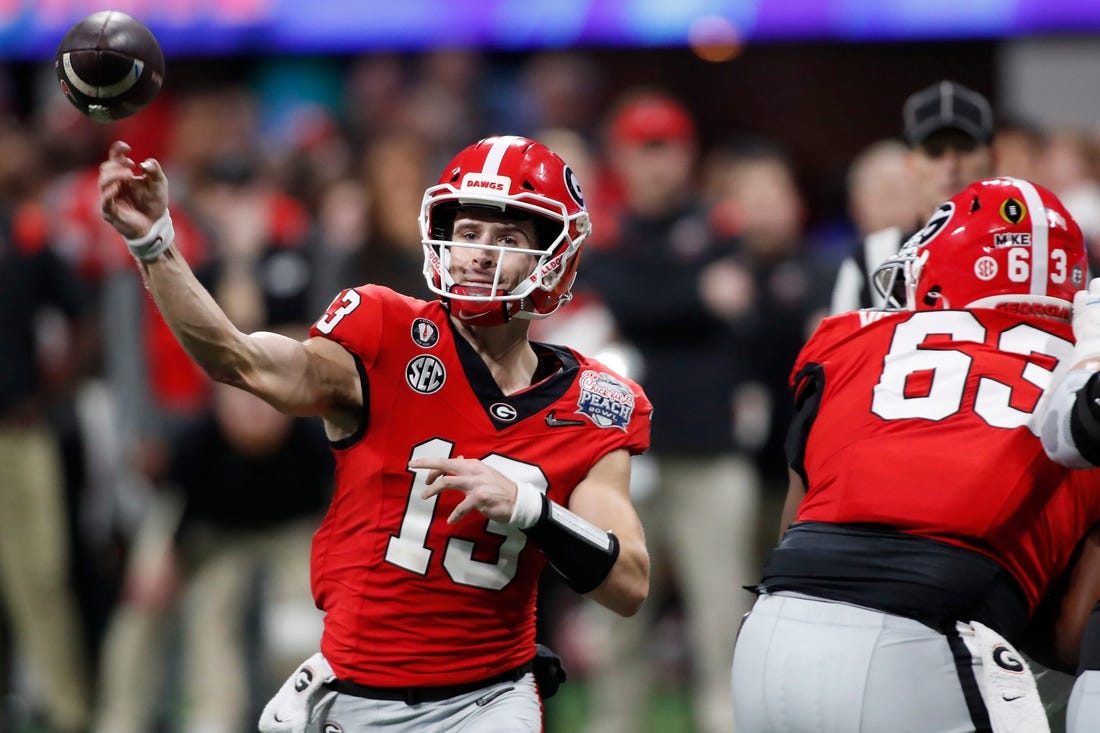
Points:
1018	150
37	375
1069	169
755	182
677	299
242	505
555	89
948	129
395	170
250	485
881	190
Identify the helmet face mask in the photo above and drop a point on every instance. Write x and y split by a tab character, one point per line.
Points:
1001	243
516	178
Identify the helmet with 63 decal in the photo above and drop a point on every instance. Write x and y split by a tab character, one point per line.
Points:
1002	243
516	178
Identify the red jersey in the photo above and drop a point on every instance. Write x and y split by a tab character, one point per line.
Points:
411	600
925	422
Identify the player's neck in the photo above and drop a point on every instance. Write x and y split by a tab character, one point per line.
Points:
506	351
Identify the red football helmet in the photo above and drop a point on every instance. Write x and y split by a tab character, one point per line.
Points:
1002	243
511	175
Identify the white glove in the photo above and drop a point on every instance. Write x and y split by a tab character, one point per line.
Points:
1086	322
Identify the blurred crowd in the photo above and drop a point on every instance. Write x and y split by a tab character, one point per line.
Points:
154	528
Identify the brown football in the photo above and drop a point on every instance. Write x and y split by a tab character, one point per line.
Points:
109	65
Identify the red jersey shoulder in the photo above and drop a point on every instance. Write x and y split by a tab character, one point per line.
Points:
610	400
834	331
357	317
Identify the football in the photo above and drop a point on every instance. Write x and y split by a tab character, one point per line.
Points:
109	65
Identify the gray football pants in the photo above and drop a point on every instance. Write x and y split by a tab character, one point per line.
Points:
506	707
808	666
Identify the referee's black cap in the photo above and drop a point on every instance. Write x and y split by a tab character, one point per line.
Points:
947	105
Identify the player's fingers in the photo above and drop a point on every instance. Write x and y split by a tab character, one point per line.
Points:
437	465
461	510
111	176
119	149
152	168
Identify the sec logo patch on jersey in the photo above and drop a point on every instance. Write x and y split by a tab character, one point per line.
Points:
425	374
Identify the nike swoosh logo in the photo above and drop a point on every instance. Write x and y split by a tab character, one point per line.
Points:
554	422
277	718
1006	698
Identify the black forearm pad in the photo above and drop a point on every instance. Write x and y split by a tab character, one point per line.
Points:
1084	420
1090	643
579	551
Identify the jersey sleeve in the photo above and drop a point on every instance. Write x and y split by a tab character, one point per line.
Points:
354	320
637	441
807	383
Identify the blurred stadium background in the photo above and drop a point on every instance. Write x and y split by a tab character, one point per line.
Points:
304	90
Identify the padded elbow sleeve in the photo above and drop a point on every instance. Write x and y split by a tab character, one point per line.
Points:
581	552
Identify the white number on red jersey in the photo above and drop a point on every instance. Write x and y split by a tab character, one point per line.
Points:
409	548
350	301
949	370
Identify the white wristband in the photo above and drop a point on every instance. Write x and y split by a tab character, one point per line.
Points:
152	245
528	508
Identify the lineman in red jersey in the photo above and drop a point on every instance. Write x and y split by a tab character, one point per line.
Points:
467	456
928	522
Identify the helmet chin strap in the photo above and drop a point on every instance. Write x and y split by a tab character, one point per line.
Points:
482	313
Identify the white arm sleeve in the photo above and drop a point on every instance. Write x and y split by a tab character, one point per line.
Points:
1054	428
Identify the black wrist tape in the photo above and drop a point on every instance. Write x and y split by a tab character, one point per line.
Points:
1084	420
1090	643
579	551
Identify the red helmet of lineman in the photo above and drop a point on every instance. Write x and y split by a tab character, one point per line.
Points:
1002	243
519	177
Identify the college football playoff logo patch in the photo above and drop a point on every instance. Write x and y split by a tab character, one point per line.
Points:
605	400
1013	210
425	374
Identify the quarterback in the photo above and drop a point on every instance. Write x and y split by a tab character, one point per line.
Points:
468	457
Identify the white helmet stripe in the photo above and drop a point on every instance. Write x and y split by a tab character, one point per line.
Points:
1040	245
496	154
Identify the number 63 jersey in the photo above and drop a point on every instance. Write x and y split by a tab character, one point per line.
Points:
925	422
409	599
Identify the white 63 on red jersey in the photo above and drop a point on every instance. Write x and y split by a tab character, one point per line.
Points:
925	422
466	606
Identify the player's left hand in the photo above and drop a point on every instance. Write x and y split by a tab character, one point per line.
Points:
487	490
